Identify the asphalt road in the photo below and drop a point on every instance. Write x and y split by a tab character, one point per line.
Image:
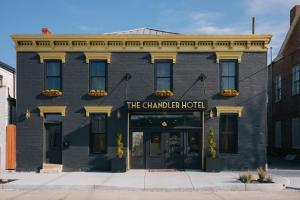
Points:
141	195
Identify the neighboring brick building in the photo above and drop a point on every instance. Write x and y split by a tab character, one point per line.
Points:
7	106
161	91
284	137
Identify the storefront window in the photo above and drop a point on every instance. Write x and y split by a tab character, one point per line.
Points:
137	144
193	143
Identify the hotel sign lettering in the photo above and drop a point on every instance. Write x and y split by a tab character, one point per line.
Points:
165	105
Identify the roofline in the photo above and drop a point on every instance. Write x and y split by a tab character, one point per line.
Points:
135	29
287	37
7	67
140	36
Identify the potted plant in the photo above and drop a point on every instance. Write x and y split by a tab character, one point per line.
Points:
97	93
119	162
51	93
229	93
163	93
213	163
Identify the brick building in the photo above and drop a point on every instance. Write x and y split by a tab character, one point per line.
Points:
284	137
160	91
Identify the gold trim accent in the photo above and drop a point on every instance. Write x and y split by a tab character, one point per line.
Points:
52	56
229	109
227	55
52	109
97	109
140	43
97	56
163	55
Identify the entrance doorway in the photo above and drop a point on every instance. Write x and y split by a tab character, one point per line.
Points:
166	147
53	139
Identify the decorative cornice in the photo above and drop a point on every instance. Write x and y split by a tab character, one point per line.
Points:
141	43
97	109
52	56
229	55
52	109
163	55
97	56
229	109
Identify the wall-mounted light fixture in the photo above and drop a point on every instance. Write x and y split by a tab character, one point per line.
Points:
127	76
118	114
202	77
27	114
211	114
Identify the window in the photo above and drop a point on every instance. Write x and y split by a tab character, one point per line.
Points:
98	133
296	80
278	134
228	75
163	74
1	80
155	144
228	133
98	75
53	75
278	88
296	133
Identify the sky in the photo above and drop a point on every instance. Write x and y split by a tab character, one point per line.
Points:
182	16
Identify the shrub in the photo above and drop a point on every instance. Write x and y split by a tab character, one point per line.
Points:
261	174
246	177
212	147
120	148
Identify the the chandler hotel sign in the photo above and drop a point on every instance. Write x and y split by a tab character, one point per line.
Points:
165	105
134	100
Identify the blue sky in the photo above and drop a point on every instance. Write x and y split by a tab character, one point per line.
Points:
183	16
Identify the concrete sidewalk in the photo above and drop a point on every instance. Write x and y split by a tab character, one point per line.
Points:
138	180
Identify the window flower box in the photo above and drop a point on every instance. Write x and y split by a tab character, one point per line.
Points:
163	93
51	93
97	93
229	93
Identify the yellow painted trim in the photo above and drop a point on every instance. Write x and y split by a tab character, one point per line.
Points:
52	109
97	109
52	56
229	109
97	56
141	43
223	55
163	55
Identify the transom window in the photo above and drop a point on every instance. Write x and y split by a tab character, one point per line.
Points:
98	71
228	75
98	133
296	80
163	75
228	133
53	75
278	88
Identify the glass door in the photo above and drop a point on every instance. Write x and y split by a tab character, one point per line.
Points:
174	150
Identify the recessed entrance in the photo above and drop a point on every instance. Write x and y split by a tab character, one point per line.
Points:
166	141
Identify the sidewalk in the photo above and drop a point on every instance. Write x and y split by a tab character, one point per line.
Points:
139	180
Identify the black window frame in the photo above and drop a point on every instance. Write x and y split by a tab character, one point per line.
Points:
47	76
295	83
235	134
91	148
278	88
91	76
236	76
163	77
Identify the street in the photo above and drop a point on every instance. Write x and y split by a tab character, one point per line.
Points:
138	195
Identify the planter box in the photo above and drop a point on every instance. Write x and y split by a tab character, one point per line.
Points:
118	164
213	164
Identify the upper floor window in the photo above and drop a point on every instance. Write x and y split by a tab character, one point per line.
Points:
296	80
98	74
1	80
278	88
228	133
53	75
98	133
163	75
229	80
